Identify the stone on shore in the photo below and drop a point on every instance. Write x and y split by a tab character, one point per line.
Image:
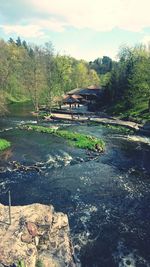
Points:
36	233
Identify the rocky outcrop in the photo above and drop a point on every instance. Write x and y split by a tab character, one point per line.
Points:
37	235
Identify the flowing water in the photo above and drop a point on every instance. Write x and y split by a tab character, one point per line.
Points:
106	197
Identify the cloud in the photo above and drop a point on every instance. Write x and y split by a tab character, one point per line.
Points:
32	18
27	31
146	40
51	24
98	15
83	28
33	30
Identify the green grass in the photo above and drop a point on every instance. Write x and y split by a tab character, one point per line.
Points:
139	113
21	263
119	129
44	114
4	144
76	139
17	99
116	128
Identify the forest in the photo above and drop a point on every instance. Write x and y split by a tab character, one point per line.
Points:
128	89
39	74
126	82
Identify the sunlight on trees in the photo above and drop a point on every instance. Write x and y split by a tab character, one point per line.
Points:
37	73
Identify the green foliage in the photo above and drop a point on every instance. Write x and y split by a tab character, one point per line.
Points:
40	129
119	129
4	144
82	75
102	65
16	98
37	73
39	263
129	84
77	139
21	263
139	113
105	78
3	108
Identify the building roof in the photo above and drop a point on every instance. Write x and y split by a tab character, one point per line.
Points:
70	100
90	90
74	91
77	96
94	87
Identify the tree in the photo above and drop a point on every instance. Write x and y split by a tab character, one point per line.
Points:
93	77
102	65
3	108
11	41
139	82
63	73
24	44
36	73
129	84
4	65
80	74
15	59
34	81
18	41
49	74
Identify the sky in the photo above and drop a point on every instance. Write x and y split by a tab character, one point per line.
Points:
84	29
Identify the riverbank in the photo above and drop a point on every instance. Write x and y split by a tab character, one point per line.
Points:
101	119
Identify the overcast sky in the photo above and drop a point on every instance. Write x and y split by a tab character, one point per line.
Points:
81	28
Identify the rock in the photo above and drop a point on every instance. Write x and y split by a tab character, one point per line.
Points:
29	252
47	261
47	218
98	148
26	238
36	240
40	233
32	229
22	222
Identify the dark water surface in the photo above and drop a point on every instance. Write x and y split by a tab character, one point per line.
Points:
107	196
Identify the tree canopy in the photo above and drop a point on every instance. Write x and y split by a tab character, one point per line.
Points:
37	73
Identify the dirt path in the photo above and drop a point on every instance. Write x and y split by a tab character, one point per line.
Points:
98	119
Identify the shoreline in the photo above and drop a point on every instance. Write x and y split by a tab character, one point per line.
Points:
97	119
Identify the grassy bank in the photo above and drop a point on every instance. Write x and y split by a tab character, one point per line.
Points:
139	113
17	99
119	129
4	144
76	139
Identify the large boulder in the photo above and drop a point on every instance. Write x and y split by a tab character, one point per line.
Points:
36	233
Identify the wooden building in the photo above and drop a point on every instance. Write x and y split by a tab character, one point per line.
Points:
71	101
89	94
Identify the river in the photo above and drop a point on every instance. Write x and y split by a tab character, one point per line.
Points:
106	197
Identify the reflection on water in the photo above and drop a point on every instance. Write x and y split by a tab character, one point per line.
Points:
105	196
